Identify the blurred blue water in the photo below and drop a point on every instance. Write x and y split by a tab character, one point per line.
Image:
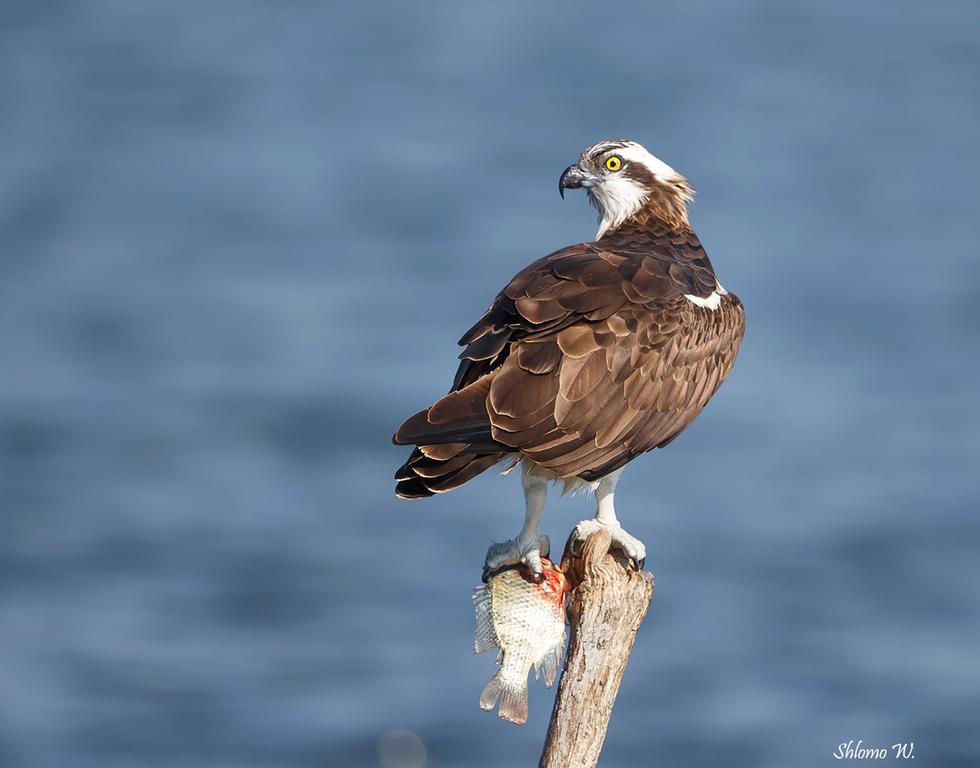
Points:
239	241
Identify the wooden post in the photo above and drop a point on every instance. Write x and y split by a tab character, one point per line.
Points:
607	604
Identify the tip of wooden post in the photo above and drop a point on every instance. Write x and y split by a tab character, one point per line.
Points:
592	558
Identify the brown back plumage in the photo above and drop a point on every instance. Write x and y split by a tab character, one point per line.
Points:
589	357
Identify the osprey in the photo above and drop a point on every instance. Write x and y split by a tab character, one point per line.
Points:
587	358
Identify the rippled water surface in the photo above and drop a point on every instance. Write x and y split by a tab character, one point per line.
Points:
239	242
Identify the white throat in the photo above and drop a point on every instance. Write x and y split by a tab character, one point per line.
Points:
616	199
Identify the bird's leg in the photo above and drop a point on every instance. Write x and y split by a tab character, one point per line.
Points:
605	517
529	545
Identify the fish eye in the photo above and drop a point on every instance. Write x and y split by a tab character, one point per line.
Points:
614	163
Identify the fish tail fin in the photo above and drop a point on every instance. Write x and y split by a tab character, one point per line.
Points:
513	698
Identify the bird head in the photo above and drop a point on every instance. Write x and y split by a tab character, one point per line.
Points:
628	184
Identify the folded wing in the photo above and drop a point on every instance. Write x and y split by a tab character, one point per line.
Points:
587	358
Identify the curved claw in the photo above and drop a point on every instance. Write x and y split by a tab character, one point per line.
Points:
517	551
630	546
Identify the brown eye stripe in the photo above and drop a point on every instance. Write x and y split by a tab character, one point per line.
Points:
641	174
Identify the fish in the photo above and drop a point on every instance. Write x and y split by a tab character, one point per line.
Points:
524	619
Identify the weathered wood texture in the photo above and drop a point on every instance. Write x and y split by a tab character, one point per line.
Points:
607	604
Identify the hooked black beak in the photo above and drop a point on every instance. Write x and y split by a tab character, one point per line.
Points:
571	178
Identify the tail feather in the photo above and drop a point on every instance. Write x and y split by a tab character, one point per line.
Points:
421	476
412	489
436	468
460	476
453	443
444	451
512	696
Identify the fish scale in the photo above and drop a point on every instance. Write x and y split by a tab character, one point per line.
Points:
524	620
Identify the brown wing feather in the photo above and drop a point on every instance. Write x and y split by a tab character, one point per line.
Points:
612	406
587	358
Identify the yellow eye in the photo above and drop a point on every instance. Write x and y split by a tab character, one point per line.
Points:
613	163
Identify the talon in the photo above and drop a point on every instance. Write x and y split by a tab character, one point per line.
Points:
516	551
629	545
533	561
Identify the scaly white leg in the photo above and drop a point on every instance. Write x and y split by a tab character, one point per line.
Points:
605	517
529	545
